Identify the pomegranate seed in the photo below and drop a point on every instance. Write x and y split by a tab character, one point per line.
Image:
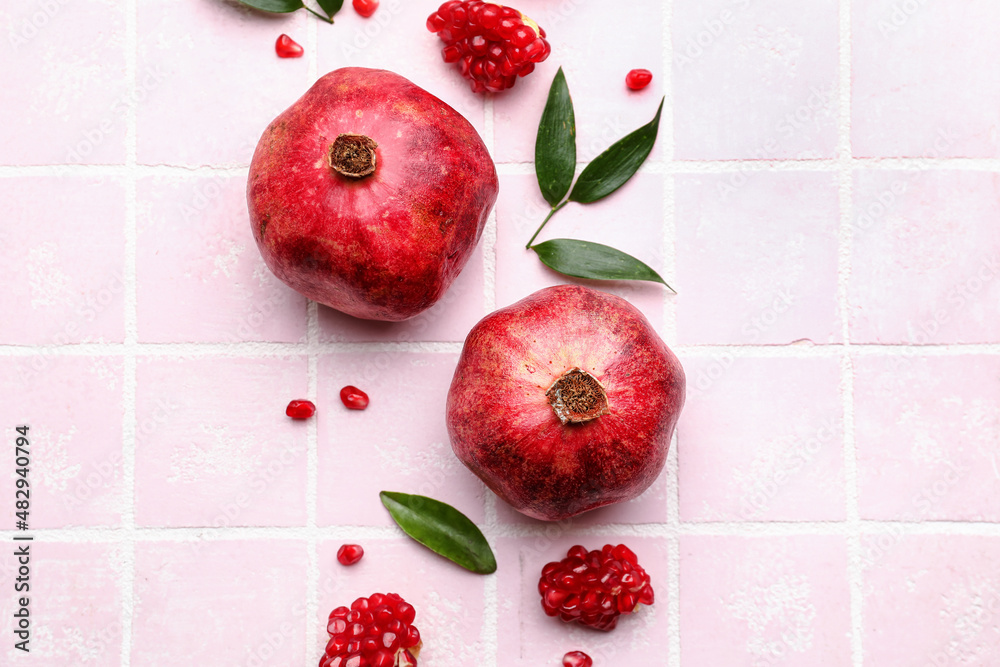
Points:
365	7
577	659
354	398
286	47
638	79
349	554
300	409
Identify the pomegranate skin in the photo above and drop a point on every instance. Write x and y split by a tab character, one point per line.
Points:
503	427
384	246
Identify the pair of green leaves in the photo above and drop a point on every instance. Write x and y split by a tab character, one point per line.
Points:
442	529
555	167
331	7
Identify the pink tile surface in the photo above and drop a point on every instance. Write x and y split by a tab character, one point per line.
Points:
206	104
761	439
764	601
64	281
908	99
448	600
68	100
74	411
212	435
226	581
755	81
532	638
398	443
619	221
926	258
74	603
828	501
932	600
926	430
605	109
757	258
200	277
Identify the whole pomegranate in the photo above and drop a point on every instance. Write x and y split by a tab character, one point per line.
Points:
369	194
564	402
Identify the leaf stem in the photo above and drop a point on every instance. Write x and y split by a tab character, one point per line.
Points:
551	213
328	19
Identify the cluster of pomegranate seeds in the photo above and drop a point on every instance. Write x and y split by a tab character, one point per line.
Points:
594	588
286	47
353	398
577	659
492	44
349	554
300	409
377	631
365	7
638	79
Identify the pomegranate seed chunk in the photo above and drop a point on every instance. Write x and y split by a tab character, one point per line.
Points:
286	47
368	634
300	409
594	588
349	554
492	44
353	398
638	79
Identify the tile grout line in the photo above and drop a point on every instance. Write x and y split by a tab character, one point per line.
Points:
670	333
489	634
130	345
523	168
265	349
845	173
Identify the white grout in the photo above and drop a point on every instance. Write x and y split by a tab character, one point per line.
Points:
130	308
855	570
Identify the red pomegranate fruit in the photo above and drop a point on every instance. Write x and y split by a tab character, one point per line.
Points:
564	402
369	194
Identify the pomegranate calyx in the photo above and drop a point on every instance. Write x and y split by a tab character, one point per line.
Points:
353	155
577	397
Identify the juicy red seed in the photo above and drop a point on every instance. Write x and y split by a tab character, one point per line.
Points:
300	409
436	22
349	554
577	659
638	79
353	398
286	47
365	7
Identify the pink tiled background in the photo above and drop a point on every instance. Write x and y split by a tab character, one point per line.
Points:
824	195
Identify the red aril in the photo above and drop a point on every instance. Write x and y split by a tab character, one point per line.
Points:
300	409
577	659
349	554
638	79
365	7
286	47
353	398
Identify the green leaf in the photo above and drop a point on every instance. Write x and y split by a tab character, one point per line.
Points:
275	6
331	7
611	169
555	144
442	529
583	259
